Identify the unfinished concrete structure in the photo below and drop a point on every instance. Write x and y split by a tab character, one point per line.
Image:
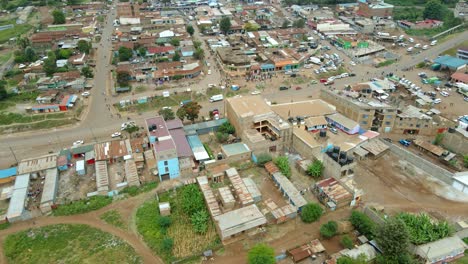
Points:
239	221
241	191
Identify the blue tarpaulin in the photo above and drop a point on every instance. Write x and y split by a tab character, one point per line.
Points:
8	172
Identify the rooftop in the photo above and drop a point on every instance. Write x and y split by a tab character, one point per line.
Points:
182	146
239	220
289	189
50	186
157	127
111	150
451	62
235	149
309	108
249	106
440	249
37	164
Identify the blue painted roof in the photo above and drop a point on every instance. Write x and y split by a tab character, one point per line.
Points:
8	172
194	141
450	61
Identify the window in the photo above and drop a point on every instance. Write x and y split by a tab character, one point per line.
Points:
365	116
387	123
389	116
165	163
364	122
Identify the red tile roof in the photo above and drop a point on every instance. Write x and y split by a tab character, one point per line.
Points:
160	49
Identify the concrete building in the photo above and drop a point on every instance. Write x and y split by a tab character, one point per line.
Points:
257	124
164	148
288	189
128	10
369	114
102	177
38	164
415	121
49	191
461	10
17	204
236	151
456	140
442	251
239	221
462	52
338	164
375	9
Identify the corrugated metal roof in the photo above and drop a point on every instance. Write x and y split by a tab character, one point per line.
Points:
37	164
102	177
18	198
241	190
131	173
289	189
50	186
182	146
235	149
234	222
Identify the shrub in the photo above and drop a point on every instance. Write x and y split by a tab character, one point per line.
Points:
222	137
315	169
261	254
363	224
283	165
311	212
200	221
328	230
167	244
263	158
227	128
423	230
347	242
134	190
83	206
164	222
192	199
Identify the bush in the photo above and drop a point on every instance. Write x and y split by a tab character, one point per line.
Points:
311	212
222	137
135	190
208	150
315	169
261	254
192	200
164	222
347	242
200	221
283	165
227	128
328	230
167	244
422	229
363	224
263	158
83	206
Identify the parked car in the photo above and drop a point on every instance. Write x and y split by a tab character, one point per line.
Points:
85	94
116	134
405	142
255	92
298	88
388	140
329	83
323	80
283	88
333	130
444	93
78	142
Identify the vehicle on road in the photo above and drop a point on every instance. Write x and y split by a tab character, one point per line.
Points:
166	107
323	80
405	142
283	88
434	42
425	47
78	142
333	130
209	72
116	134
298	88
329	83
127	125
444	93
216	98
85	94
255	92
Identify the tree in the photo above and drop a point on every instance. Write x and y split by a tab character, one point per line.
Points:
199	53
176	56
434	10
87	72
3	92
142	51
197	44
125	53
167	113
300	23
222	137
192	199
164	222
50	65
251	27
283	165
361	259
190	30
315	169
59	17
393	237
285	23
181	114
363	224
123	78
64	54
175	42
225	25
261	254
263	158
227	128
200	221
83	46
465	161
30	54
167	244
438	139
329	229
311	212
347	242
23	42
190	110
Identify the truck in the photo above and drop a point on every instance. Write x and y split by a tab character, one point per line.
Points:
462	88
185	102
383	34
315	60
216	98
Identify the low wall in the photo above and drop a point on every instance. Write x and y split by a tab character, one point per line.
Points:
423	164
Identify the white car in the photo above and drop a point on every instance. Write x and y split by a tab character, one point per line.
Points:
116	134
352	63
209	72
255	92
437	101
85	94
444	93
166	107
78	142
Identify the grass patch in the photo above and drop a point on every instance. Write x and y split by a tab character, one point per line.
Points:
67	244
6	34
214	91
114	218
134	190
83	206
186	242
141	88
4	225
155	103
12	118
463	260
5	57
385	63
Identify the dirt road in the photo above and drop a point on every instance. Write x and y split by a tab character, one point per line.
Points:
127	209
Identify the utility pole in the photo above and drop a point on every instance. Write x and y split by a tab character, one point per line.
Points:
13	153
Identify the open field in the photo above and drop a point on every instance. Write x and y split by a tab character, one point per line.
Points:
67	244
186	242
114	218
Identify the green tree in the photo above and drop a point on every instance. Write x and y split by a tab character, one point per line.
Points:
300	23
190	30
167	244
434	10
83	46
175	42
192	199
23	42
251	27
438	139
123	78
199	53
167	114
142	51
263	158
200	221
50	66
225	25
30	54
363	224
222	137
311	212
87	72
190	110
465	161
125	53
176	56
347	242
164	222
329	229
315	169
3	92
361	259
261	254
64	54
393	237
181	114
283	165
197	44
227	128
285	24
59	17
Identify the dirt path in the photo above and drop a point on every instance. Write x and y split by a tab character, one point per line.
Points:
127	208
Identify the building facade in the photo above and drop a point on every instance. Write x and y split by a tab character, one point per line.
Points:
375	9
